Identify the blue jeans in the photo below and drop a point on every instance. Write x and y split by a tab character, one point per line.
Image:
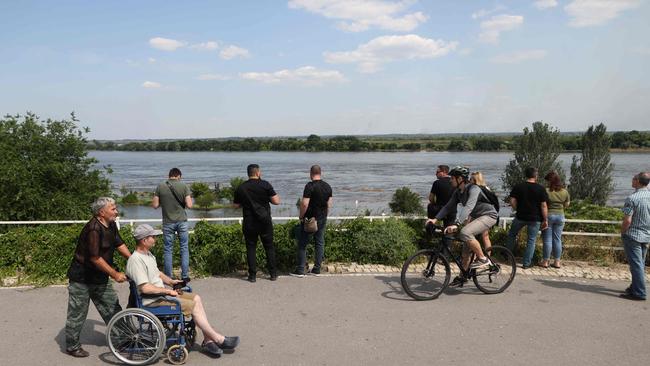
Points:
552	236
319	244
636	253
169	232
533	228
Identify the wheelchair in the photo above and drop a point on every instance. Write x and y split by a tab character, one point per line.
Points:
138	335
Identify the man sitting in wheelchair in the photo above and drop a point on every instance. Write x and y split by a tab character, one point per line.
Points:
142	269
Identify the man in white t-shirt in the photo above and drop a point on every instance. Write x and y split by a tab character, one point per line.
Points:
142	269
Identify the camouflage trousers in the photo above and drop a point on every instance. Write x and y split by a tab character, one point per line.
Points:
79	296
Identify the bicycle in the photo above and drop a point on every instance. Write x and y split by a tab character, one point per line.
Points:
425	275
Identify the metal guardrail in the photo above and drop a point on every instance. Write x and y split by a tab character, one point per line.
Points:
503	222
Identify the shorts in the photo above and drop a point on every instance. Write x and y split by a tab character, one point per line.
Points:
476	227
186	299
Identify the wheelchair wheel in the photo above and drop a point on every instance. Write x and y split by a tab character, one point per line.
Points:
135	337
177	354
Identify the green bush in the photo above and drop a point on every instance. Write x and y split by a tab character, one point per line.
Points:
205	200
199	188
130	198
406	202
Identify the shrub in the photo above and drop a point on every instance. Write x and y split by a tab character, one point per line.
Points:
406	202
205	200
130	198
199	189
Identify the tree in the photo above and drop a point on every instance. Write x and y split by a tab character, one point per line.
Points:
406	202
591	174
538	148
45	172
199	188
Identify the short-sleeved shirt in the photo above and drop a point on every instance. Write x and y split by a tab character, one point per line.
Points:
142	268
254	196
557	200
637	205
172	211
443	191
318	192
529	198
95	240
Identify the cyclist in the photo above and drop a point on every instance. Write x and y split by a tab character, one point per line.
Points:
475	216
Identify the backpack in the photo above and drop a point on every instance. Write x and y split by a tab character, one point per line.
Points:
490	196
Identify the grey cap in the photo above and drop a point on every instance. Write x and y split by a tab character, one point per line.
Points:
142	231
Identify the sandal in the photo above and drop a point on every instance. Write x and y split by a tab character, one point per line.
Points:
555	265
543	264
212	348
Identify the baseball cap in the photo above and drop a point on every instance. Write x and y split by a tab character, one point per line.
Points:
142	231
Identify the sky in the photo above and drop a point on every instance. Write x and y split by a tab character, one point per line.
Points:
208	69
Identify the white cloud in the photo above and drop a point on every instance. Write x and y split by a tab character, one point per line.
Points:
306	75
205	46
519	56
483	13
545	4
151	60
165	44
230	52
589	13
361	15
491	29
212	77
151	85
370	56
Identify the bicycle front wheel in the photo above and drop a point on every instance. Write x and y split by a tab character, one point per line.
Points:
425	275
500	274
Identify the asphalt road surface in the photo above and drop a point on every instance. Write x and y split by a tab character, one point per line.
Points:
366	320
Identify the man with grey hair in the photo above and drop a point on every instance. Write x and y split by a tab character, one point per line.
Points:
635	234
92	264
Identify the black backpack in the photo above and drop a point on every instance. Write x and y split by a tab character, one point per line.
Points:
491	197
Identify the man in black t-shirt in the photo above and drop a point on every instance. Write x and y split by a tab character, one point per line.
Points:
441	192
528	199
89	270
254	197
315	203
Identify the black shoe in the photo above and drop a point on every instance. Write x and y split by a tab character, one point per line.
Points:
526	266
230	343
295	273
212	348
314	272
251	278
458	281
79	353
273	277
631	297
186	279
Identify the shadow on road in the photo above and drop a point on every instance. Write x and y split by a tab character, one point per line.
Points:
88	335
592	288
396	292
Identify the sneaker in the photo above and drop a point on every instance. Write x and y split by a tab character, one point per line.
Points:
458	281
251	278
273	277
480	263
314	272
631	297
295	273
230	343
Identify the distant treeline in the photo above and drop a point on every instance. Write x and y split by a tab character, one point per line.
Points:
619	140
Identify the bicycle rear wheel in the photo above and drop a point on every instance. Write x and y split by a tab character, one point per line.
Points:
500	274
425	275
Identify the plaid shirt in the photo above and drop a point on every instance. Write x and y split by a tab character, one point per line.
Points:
637	205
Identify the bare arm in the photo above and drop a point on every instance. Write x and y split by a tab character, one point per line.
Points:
147	288
188	202
155	202
303	207
124	251
625	225
329	203
275	199
101	264
513	203
544	215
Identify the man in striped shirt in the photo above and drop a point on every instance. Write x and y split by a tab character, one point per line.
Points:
635	233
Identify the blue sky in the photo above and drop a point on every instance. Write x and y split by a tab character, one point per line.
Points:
170	69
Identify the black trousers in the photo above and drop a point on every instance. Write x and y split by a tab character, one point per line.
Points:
264	231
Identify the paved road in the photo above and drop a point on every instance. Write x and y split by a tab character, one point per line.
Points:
367	320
